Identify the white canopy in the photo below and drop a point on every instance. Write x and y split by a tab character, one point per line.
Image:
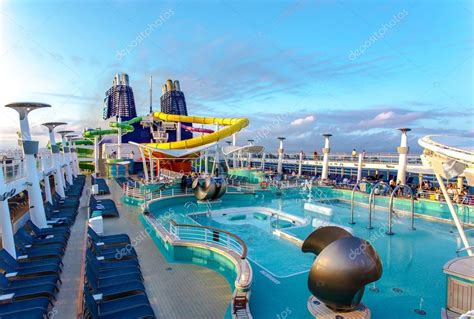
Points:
175	153
252	149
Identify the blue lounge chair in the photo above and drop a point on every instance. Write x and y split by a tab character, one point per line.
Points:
111	262
119	252
108	240
28	268
14	283
41	232
112	288
32	308
136	306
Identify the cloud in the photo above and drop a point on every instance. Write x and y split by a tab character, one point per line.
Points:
391	118
301	121
373	129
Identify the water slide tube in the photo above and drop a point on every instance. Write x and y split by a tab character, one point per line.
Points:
230	126
196	129
125	126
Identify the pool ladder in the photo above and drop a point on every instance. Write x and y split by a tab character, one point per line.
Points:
209	208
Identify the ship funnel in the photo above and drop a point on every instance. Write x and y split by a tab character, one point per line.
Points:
120	79
116	80
124	80
176	85
169	85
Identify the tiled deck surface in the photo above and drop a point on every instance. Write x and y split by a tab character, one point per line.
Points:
66	304
175	290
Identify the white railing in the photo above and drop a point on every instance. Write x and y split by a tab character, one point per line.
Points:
171	174
209	235
13	169
378	158
467	199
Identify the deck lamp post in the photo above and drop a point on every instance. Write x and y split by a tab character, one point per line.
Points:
402	151
30	151
326	151
234	155
300	164
249	154
58	175
280	155
359	167
73	151
47	185
67	155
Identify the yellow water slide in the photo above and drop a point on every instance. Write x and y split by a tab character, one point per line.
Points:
229	127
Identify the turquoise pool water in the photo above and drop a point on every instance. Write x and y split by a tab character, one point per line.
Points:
412	259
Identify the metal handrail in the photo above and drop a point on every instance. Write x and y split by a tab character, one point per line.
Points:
463	249
372	200
390	209
239	245
352	222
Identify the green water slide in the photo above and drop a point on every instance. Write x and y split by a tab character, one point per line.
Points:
126	127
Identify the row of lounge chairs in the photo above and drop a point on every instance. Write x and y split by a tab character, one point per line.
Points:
30	283
113	281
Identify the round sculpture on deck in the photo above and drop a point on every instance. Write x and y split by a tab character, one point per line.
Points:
343	267
209	188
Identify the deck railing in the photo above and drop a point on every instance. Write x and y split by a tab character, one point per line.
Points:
148	195
209	235
13	169
345	157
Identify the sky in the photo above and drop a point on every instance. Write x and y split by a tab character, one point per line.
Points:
356	69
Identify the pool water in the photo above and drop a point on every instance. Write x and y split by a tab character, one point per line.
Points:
264	248
412	259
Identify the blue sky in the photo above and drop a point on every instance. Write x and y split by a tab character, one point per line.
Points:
357	69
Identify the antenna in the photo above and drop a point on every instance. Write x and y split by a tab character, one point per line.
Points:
151	94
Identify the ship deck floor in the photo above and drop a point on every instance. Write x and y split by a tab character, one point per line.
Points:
175	290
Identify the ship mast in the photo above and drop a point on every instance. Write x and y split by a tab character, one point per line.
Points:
151	94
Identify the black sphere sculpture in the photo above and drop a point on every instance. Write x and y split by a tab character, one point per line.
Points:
343	266
209	188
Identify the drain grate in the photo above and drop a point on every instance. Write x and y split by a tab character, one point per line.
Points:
374	289
397	290
420	312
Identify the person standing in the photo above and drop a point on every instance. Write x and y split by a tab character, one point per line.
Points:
354	154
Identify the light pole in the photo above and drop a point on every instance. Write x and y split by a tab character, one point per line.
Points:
300	164
234	155
58	175
30	151
67	155
326	151
280	156
73	151
402	156
249	154
359	167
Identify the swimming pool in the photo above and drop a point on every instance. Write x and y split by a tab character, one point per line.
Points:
412	259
